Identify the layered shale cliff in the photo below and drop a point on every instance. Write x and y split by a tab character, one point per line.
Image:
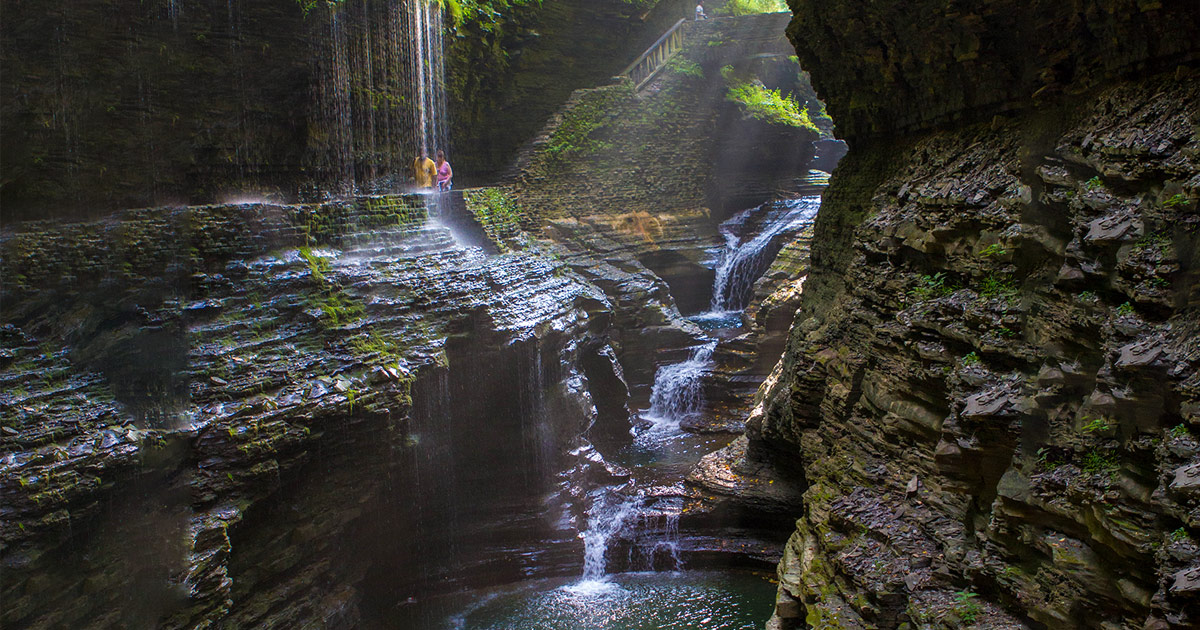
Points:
991	392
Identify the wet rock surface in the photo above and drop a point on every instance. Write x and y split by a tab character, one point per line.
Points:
194	395
990	392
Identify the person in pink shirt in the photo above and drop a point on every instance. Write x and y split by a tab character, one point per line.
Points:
444	172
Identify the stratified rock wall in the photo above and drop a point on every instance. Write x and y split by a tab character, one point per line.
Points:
894	67
991	391
265	416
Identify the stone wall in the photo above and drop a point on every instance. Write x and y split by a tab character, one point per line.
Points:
990	393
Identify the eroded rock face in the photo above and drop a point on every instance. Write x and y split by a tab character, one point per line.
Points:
991	390
900	67
268	414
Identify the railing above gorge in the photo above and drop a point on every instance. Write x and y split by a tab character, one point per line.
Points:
647	66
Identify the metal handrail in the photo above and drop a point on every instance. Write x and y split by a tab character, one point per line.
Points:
653	46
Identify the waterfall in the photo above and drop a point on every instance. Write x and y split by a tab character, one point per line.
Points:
742	262
429	75
677	391
606	517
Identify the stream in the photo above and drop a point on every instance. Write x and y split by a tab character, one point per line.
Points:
627	504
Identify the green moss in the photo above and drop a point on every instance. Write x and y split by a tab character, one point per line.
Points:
686	67
497	213
318	267
577	132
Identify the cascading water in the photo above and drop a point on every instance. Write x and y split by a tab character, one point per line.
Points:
429	76
744	260
677	392
606	518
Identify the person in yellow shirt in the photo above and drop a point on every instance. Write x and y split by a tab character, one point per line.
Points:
424	171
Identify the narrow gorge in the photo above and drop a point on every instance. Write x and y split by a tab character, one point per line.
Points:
841	315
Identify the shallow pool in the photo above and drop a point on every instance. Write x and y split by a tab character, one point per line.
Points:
632	601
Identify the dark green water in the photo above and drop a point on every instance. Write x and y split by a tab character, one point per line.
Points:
634	601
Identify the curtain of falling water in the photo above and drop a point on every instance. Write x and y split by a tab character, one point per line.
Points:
429	76
381	91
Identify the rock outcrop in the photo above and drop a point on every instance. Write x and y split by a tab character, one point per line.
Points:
990	394
233	412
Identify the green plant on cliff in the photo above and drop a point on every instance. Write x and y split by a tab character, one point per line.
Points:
496	212
768	105
1097	462
686	67
1177	200
749	7
760	103
971	359
966	608
993	250
994	286
1125	309
1097	425
928	287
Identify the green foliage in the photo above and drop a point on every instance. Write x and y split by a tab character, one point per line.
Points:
1088	296
317	266
1046	459
686	67
928	287
1005	331
1125	309
1179	534
971	359
336	308
309	5
482	12
1179	430
1176	200
1096	462
1097	425
992	251
496	212
994	286
749	7
1154	240
1094	183
577	132
760	103
966	608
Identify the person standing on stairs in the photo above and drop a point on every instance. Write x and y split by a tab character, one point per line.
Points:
424	171
444	173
